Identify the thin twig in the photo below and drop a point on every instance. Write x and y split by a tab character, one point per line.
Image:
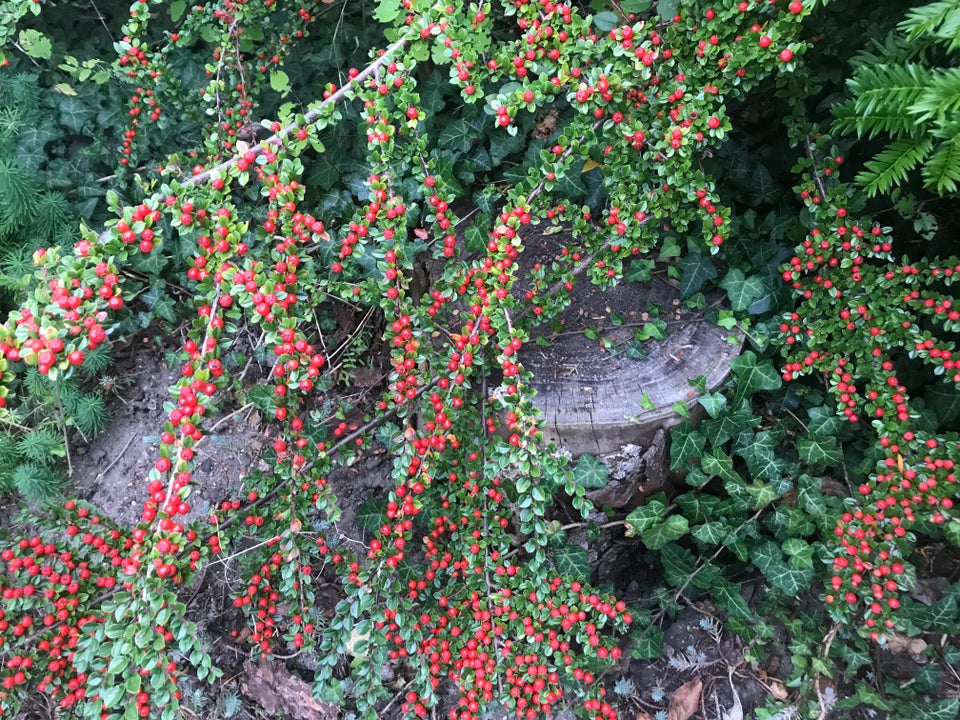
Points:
107	469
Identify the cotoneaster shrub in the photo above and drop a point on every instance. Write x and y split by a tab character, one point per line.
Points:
460	577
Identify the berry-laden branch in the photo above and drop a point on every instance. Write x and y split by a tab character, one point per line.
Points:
459	579
857	309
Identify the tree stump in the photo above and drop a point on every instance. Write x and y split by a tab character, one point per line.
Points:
592	400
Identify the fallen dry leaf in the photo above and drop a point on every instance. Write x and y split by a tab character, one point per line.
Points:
277	690
685	700
900	643
777	689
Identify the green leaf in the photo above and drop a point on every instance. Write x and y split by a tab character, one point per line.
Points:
673	528
177	8
696	269
742	290
666	9
605	21
35	44
685	443
590	473
572	561
819	450
110	695
280	82
132	684
387	11
645	517
754	375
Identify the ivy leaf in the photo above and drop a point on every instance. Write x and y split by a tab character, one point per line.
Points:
728	597
678	564
370	515
714	403
941	616
640	270
710	533
742	290
945	400
942	710
823	420
754	375
673	528
717	463
819	450
788	580
762	493
648	645
503	145
669	248
685	443
696	269
645	517
590	473
572	561
457	136
729	426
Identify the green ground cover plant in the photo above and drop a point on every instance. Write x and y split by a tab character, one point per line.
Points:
261	180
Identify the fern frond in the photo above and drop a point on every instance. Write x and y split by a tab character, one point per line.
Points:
941	100
938	20
892	50
941	173
42	445
883	96
91	415
37	484
892	164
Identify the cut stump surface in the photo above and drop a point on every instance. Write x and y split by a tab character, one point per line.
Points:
592	400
